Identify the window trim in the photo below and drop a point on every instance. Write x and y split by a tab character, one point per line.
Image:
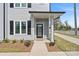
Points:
15	27
23	7
16	7
20	6
20	28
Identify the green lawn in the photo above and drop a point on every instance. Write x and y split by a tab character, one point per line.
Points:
10	50
65	45
69	35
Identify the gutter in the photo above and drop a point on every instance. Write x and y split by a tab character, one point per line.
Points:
3	20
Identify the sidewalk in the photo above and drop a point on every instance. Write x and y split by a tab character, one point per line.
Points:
68	38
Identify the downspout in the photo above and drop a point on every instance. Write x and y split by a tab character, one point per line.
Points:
3	20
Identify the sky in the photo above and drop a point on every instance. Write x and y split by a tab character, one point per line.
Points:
69	15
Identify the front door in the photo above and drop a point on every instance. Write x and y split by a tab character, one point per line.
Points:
39	30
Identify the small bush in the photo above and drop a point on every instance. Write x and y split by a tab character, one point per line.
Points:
14	41
6	40
51	44
21	41
27	43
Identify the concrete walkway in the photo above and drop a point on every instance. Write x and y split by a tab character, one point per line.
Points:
39	49
68	38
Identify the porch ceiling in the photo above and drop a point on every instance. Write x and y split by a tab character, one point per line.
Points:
46	14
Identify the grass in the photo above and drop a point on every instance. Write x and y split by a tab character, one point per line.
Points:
69	35
65	45
10	50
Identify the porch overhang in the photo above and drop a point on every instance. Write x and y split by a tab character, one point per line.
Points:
46	14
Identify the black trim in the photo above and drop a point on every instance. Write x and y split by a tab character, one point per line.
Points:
11	27
11	5
4	20
29	5
29	27
46	12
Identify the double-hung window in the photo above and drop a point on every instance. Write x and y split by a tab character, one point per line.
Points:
23	27
17	4
17	27
20	5
20	27
23	4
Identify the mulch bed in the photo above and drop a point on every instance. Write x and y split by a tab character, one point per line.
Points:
52	48
15	47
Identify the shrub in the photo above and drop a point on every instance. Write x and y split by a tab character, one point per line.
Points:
21	41
6	40
14	41
51	44
27	43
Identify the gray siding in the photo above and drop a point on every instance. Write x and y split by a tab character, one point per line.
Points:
21	14
1	21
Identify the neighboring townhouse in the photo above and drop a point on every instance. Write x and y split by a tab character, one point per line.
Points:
28	21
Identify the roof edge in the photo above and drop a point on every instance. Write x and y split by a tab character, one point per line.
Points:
46	12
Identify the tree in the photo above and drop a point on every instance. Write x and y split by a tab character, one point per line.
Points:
67	26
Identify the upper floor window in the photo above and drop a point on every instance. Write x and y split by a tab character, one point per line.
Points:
17	27
17	4
23	4
20	5
29	5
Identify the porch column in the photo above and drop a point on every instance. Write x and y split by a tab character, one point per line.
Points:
51	29
32	26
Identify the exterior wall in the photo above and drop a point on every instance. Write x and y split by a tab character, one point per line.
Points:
1	21
21	14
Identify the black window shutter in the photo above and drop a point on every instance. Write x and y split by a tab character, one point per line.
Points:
11	28
11	5
29	28
29	5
